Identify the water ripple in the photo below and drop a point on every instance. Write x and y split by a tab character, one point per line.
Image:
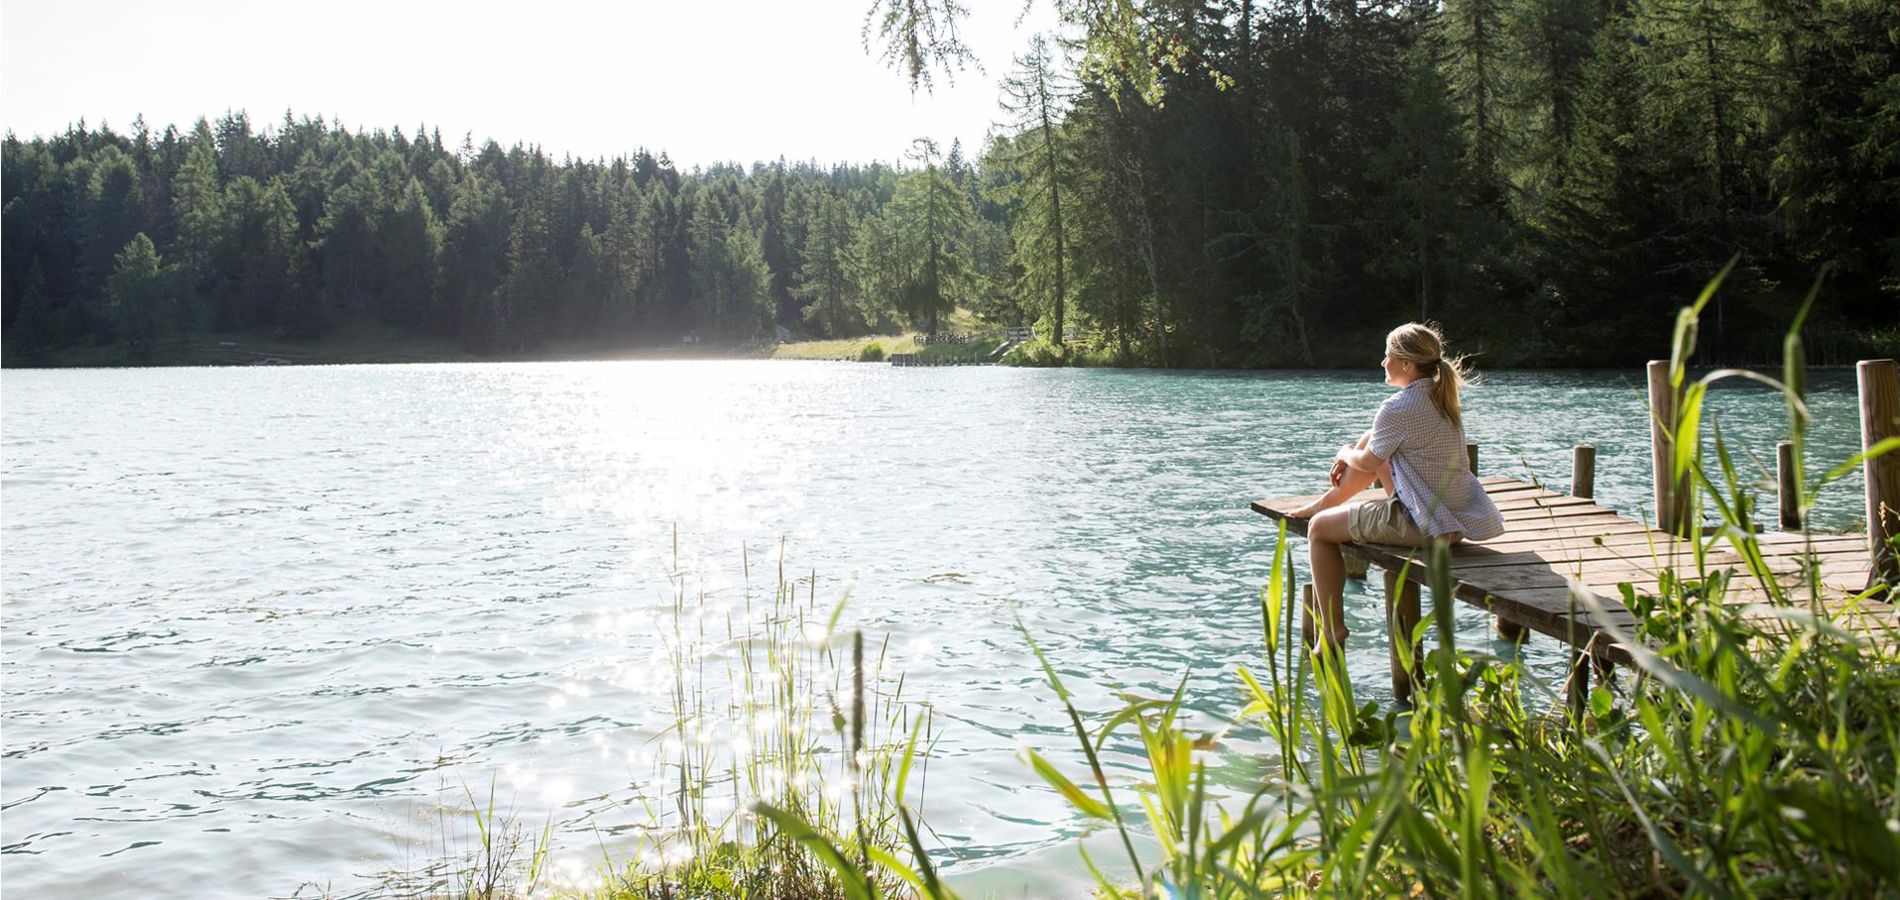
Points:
271	639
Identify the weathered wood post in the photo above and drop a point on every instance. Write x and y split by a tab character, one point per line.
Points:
1879	420
1356	565
1401	615
1471	454
1583	483
1671	493
1787	493
1577	686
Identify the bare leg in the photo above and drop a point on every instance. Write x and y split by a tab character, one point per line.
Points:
1324	535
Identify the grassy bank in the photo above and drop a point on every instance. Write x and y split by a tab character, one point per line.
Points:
850	349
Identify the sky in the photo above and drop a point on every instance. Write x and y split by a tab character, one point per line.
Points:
704	81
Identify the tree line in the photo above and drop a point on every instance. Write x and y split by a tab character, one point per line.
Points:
1243	182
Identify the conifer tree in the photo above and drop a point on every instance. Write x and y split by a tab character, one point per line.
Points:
826	285
142	290
198	204
1418	217
933	218
1474	36
474	253
408	249
113	213
259	256
1035	97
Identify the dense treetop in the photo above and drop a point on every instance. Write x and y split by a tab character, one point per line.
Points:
1252	182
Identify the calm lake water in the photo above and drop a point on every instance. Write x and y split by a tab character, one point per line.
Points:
261	625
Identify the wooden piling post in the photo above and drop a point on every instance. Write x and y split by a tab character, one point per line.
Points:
1879	420
1583	471
1356	565
1309	617
1471	454
1671	493
1787	493
1577	686
1401	615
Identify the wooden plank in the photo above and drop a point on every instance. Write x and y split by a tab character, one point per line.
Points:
1790	541
1566	531
1630	540
1589	553
1515	502
1517	518
1498	488
1524	494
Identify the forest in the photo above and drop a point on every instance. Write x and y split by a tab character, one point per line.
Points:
1241	183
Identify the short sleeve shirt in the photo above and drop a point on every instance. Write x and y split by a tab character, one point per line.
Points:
1430	472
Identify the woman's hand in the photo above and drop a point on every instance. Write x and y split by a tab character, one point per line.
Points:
1338	471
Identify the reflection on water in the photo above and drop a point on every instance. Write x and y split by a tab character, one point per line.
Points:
263	625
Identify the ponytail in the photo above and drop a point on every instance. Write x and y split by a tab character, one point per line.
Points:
1448	376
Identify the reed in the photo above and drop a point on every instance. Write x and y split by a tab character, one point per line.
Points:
793	767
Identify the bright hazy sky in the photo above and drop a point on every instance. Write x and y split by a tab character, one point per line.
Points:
703	80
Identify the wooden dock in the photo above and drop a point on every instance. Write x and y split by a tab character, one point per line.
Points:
1557	548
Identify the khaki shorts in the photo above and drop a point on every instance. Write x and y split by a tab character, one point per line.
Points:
1386	522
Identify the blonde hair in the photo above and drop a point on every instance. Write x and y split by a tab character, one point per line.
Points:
1423	345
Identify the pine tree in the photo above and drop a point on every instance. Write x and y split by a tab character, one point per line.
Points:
1553	40
826	286
346	235
1419	216
259	257
114	211
142	290
203	229
408	251
1036	98
474	253
933	219
1474	36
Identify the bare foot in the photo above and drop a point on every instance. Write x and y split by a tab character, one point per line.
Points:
1305	512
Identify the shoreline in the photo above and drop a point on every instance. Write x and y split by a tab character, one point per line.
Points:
375	345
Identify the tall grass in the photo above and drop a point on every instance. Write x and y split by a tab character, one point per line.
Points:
793	767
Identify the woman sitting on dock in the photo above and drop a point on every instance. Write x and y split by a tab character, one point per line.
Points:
1416	449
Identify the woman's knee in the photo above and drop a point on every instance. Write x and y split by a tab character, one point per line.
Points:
1330	526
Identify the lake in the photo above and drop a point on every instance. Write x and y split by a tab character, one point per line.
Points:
263	625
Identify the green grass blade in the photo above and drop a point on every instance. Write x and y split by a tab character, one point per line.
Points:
1088	805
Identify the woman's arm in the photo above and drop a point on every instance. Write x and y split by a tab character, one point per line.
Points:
1350	475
